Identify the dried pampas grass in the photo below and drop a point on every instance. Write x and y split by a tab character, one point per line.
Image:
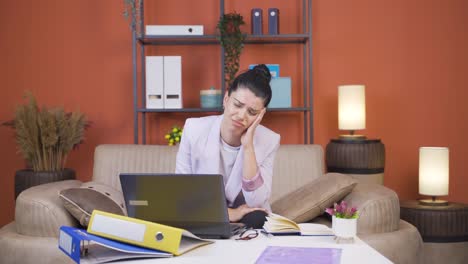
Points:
45	137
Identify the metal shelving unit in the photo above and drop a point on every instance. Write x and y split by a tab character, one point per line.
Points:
194	110
150	40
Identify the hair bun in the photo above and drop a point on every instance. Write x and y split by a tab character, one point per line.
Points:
263	71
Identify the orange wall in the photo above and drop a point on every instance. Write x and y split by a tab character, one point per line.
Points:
411	55
413	58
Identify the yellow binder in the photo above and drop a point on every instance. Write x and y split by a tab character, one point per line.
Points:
143	233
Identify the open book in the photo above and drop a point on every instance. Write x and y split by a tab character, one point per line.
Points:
280	225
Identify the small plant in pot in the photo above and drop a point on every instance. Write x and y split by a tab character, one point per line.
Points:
45	137
344	221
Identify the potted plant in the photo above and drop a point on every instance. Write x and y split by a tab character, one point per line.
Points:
232	40
132	12
174	137
45	137
344	221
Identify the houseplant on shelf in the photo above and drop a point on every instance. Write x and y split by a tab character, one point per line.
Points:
344	221
174	137
45	137
132	12
232	40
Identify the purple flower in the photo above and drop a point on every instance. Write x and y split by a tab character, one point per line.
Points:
330	211
344	204
342	210
338	208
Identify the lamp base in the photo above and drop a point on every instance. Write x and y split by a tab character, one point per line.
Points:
352	137
433	202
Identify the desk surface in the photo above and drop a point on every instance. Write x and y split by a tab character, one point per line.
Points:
234	251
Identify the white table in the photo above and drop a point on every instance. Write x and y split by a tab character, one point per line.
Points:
238	251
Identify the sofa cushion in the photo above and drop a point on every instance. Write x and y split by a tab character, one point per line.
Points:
39	211
310	200
379	208
111	160
294	166
81	202
403	245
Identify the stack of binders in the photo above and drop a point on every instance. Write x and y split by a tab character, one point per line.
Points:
113	237
163	82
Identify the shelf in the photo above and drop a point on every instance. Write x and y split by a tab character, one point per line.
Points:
303	39
181	110
212	39
208	110
280	39
292	109
178	40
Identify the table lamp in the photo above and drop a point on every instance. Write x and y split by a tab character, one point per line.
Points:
356	155
351	110
433	174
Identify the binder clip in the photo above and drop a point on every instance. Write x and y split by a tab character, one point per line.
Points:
84	244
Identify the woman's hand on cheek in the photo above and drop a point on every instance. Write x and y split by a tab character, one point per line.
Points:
247	137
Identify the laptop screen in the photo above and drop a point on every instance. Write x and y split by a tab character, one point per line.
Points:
181	200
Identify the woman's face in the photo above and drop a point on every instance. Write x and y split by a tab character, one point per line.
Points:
241	108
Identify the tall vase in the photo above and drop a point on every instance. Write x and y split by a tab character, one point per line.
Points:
25	179
344	229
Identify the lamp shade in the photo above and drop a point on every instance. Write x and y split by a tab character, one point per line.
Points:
433	171
351	107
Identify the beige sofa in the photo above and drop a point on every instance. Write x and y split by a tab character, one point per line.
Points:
32	237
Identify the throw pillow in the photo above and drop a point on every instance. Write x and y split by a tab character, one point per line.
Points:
310	201
81	202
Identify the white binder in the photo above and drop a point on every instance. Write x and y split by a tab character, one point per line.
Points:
154	82
174	30
172	82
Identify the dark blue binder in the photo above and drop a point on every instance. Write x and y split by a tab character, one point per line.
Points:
273	21
79	245
257	21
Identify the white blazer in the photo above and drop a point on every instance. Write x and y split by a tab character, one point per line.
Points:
199	152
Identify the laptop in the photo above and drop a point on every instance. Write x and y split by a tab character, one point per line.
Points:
195	202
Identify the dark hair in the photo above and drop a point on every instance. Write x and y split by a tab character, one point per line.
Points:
257	80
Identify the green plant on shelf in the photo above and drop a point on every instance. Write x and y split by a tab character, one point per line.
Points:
132	13
232	40
174	136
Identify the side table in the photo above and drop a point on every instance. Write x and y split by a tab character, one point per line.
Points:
444	230
362	159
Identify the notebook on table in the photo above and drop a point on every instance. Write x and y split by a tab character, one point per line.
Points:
195	202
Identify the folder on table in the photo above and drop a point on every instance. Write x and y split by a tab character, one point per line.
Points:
289	254
143	233
83	247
